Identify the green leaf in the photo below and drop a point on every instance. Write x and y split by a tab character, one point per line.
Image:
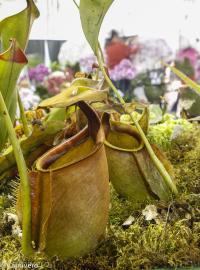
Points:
190	83
79	90
11	63
12	60
56	114
92	13
67	98
18	26
151	175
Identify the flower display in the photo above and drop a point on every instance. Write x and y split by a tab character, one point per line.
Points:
125	70
38	73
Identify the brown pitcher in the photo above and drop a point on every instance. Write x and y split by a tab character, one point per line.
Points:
70	193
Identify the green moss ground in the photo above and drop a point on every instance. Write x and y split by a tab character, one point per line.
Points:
173	241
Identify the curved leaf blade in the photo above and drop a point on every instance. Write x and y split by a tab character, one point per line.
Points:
92	14
67	98
79	90
18	26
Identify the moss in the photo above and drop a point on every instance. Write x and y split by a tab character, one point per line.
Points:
171	241
185	157
158	245
162	134
11	256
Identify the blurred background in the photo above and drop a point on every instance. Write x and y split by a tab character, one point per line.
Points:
137	36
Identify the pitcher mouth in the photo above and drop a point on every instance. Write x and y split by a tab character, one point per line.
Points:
116	133
46	162
80	146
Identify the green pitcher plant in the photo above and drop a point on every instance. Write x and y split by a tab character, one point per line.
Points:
123	138
70	192
131	170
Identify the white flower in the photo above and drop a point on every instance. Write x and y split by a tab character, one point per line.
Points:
29	98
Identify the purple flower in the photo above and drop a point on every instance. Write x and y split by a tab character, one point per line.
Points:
125	70
39	73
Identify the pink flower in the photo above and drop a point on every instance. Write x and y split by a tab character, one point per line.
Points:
189	53
55	81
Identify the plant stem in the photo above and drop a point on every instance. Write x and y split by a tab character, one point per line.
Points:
26	203
97	74
165	175
99	58
23	117
101	53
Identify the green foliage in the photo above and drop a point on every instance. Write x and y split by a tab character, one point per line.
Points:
17	28
92	14
162	134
